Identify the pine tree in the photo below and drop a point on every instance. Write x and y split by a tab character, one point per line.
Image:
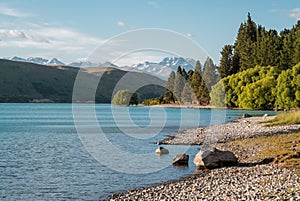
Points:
287	52
198	67
178	83
197	80
169	89
184	74
186	95
296	57
244	44
190	76
267	47
204	98
226	62
209	74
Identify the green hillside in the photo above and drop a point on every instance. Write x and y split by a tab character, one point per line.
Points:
22	82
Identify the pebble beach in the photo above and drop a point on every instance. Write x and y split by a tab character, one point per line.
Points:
248	181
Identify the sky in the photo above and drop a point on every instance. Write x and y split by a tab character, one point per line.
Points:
72	30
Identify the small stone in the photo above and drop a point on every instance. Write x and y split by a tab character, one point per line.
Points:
246	115
161	151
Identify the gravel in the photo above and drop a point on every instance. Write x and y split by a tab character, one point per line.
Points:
253	181
241	128
261	182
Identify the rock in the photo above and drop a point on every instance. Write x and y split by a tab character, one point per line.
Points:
215	158
181	159
161	151
246	115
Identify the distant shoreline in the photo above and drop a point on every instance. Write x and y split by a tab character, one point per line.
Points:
194	106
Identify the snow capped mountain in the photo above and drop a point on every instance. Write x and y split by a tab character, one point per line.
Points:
37	60
55	61
15	58
163	68
82	64
108	64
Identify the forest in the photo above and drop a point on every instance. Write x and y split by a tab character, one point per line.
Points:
261	70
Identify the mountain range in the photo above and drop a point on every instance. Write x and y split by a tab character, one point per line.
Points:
160	69
38	60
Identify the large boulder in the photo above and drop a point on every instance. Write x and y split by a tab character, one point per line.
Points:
215	158
161	151
181	159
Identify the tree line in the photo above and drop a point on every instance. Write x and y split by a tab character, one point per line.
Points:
189	87
261	70
260	87
254	45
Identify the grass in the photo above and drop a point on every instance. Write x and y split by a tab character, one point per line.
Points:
286	118
284	149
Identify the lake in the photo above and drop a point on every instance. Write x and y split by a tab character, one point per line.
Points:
43	157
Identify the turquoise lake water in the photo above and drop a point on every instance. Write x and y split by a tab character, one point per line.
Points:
43	158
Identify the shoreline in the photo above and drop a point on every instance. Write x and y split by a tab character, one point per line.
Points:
237	129
251	179
193	106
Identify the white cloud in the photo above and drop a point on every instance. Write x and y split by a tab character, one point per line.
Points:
121	24
5	10
12	33
55	41
295	13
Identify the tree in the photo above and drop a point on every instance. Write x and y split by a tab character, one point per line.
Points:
134	100
190	75
288	88
198	67
169	89
267	48
187	94
209	73
244	44
125	98
204	98
197	80
217	94
258	95
296	57
178	83
226	63
287	52
184	74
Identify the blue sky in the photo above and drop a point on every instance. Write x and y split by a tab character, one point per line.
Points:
71	30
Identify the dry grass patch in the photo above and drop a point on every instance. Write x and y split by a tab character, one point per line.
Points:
286	118
284	149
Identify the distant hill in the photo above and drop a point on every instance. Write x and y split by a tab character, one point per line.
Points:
22	82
